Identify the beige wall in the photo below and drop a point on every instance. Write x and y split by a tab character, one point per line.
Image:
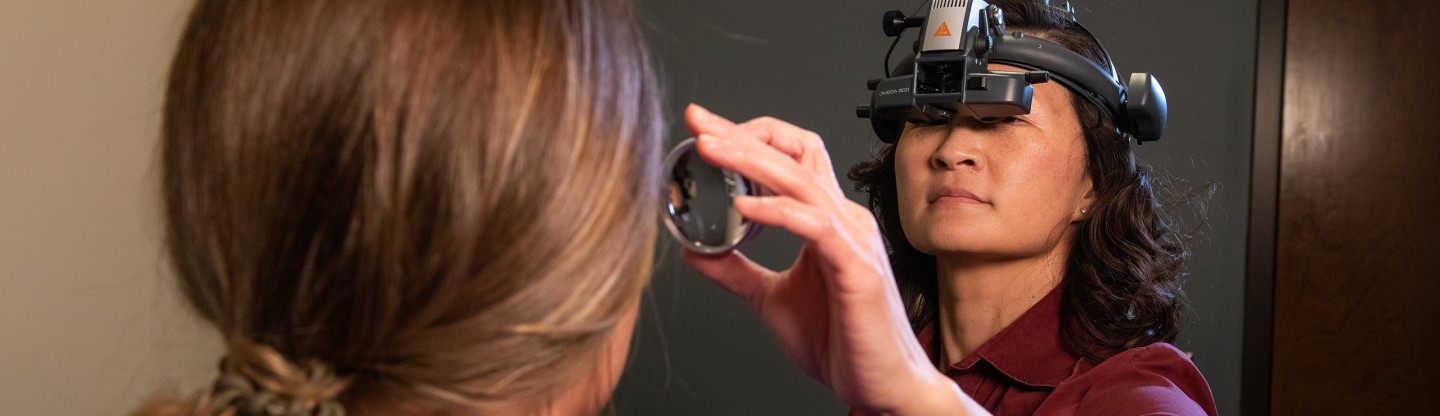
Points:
89	324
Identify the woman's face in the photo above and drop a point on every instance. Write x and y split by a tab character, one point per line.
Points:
1004	189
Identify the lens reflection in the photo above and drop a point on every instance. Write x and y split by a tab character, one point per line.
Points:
699	208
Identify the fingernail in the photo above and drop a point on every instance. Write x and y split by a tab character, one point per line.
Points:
704	115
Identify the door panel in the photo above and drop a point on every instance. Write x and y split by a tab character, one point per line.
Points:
1357	253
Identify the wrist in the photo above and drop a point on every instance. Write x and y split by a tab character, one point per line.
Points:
931	395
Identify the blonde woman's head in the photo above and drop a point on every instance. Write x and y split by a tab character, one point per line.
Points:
429	206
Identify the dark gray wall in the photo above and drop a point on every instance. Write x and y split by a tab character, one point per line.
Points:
700	351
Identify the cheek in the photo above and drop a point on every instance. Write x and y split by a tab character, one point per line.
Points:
1060	167
1049	181
911	174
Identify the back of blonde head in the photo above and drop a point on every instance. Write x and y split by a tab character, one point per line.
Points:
432	204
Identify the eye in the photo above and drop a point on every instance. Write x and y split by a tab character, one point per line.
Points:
930	123
998	120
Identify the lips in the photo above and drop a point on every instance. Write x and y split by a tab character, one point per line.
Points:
955	194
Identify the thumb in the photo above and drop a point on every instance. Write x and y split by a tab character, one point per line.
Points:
734	272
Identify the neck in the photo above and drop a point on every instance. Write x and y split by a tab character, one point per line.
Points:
979	297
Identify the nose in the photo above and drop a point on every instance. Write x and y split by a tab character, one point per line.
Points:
959	150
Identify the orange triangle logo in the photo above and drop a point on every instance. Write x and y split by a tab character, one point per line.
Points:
944	30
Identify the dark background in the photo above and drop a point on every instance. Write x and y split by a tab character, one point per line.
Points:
700	351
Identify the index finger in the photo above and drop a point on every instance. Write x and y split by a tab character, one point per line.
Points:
702	121
803	145
788	138
798	143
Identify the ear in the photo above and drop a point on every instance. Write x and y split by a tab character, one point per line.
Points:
1083	206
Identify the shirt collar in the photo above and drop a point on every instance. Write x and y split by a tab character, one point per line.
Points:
1030	350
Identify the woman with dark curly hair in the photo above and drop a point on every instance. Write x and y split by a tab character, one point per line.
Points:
1032	264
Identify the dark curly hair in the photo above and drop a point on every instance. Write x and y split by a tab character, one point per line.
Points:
1121	287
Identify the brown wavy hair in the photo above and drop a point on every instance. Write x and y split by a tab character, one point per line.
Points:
444	203
1121	287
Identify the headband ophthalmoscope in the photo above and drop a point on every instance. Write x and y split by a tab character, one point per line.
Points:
947	76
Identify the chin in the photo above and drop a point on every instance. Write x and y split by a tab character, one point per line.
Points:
948	245
951	234
975	245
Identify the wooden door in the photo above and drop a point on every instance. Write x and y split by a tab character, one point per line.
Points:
1357	254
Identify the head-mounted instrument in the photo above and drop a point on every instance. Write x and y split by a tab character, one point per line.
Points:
948	74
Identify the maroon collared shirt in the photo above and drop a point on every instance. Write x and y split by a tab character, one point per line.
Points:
1026	369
